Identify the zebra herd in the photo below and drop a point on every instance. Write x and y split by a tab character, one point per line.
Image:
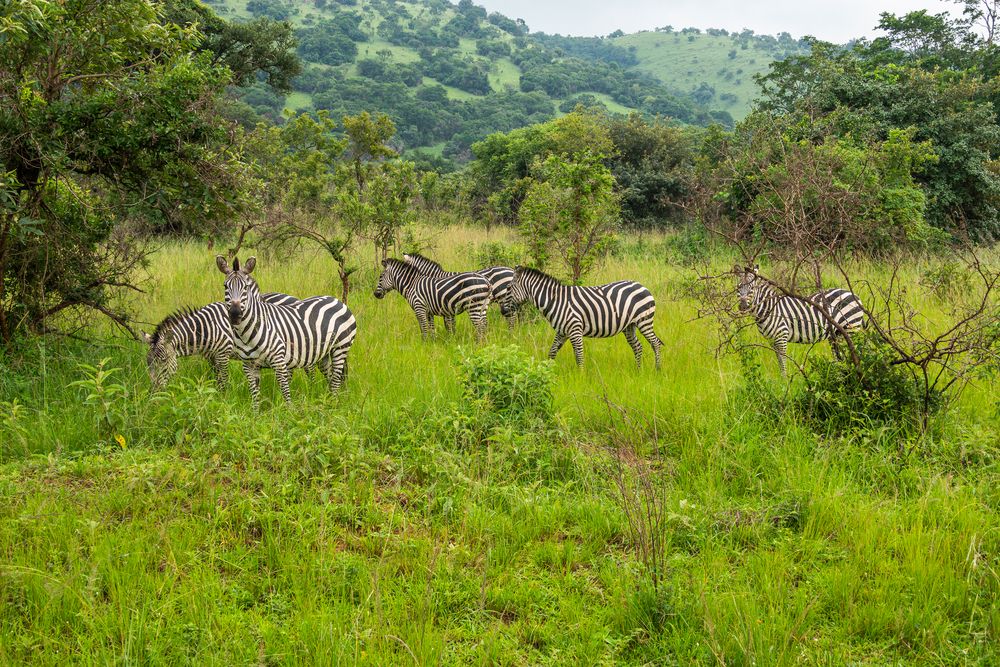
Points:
281	332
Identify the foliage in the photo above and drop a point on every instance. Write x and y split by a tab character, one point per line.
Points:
924	78
570	213
248	48
840	397
120	124
506	383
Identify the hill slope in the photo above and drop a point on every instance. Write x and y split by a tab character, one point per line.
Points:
718	68
449	75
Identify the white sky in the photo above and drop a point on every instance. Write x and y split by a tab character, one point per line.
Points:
831	20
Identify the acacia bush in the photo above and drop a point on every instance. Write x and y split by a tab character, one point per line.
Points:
840	398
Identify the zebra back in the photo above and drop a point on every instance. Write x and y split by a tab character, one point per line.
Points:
595	311
498	277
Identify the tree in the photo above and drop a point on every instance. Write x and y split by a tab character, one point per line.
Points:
570	212
262	45
367	140
109	122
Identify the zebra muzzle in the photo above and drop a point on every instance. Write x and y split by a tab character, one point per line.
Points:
235	312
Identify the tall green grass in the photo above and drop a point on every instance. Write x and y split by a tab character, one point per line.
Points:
396	524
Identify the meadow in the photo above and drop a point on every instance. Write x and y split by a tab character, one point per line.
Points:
397	523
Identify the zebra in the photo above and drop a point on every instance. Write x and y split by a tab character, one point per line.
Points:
784	319
205	332
429	296
318	331
499	278
596	312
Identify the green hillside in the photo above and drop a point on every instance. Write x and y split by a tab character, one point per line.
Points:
449	75
720	65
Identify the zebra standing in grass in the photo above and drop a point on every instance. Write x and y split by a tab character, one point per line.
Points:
784	319
205	332
595	312
499	278
430	296
318	331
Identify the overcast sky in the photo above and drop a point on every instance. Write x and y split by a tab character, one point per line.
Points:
831	20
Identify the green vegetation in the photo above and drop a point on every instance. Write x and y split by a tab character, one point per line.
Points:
403	517
395	56
718	67
477	503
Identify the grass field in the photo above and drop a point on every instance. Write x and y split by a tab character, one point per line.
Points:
687	61
386	526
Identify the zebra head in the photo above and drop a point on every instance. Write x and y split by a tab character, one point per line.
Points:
749	287
391	277
238	285
424	265
516	295
161	359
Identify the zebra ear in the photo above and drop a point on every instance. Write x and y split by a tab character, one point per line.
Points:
385	262
737	269
220	262
146	337
250	264
756	268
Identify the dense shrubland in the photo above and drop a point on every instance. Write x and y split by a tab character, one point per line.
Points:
480	504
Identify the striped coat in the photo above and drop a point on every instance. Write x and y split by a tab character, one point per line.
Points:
319	331
428	296
596	312
203	332
784	319
499	278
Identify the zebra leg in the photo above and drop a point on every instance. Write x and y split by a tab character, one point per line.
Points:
283	375
646	329
781	349
835	346
338	369
557	344
253	379
633	341
478	317
449	323
220	364
426	324
511	320
577	342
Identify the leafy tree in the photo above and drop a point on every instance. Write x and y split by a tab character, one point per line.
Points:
570	213
274	9
367	140
109	121
261	45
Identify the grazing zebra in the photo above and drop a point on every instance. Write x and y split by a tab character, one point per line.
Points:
499	278
430	296
318	331
784	319
201	331
595	312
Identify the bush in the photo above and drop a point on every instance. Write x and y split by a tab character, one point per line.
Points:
508	384
840	398
497	253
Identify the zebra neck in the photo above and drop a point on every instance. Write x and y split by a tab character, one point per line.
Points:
538	292
253	313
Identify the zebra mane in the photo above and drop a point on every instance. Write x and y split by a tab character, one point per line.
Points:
169	321
420	258
399	264
528	271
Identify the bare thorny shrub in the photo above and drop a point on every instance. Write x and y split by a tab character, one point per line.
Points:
815	232
636	470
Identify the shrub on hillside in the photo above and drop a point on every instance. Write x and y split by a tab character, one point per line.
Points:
507	383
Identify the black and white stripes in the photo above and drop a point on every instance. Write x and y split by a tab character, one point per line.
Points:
594	312
318	331
784	319
429	296
499	278
204	332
